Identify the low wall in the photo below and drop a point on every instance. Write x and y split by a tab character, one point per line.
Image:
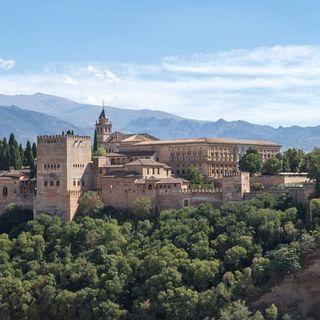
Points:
297	194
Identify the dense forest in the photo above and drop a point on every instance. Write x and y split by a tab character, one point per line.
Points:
194	263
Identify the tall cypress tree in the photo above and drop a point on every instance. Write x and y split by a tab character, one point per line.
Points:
21	151
4	155
95	142
34	150
14	153
28	156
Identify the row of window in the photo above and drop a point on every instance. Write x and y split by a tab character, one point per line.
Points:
51	166
78	165
51	183
153	170
78	182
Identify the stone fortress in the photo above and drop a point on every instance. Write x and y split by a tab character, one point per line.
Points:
136	165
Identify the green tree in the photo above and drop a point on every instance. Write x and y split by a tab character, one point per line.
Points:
272	166
95	143
314	169
14	153
251	161
34	150
28	156
293	159
90	204
141	207
272	312
195	175
101	152
4	155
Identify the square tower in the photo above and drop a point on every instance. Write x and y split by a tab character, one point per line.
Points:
64	172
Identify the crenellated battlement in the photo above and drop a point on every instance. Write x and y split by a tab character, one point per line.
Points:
56	138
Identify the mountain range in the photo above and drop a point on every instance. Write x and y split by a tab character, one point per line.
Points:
30	115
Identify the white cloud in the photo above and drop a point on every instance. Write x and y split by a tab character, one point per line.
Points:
275	85
6	64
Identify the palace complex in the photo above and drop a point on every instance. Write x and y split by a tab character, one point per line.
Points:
136	165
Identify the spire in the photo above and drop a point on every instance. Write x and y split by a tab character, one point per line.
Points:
102	114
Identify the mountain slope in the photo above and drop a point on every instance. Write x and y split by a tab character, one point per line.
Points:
84	115
158	123
26	125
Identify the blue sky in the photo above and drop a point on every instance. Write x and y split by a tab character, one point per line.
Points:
252	60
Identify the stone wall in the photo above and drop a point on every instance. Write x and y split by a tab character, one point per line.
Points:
273	181
16	191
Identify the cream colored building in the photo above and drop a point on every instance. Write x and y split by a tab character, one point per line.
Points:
215	157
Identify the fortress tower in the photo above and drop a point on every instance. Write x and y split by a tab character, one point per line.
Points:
64	172
103	128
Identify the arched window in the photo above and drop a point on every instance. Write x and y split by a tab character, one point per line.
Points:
150	187
5	191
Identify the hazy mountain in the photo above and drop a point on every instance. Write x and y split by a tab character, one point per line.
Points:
53	114
300	137
84	115
26	125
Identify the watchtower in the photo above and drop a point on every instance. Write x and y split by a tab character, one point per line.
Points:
64	172
103	128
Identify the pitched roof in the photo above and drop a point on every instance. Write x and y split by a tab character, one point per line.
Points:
145	162
210	140
14	173
102	114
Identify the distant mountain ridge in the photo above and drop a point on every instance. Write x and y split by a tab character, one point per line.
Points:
82	115
305	138
41	113
27	125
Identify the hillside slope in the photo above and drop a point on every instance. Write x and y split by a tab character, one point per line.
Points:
299	293
84	115
26	125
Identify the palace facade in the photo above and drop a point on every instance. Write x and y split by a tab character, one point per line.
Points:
136	165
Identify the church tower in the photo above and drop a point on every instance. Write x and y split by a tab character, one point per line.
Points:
103	128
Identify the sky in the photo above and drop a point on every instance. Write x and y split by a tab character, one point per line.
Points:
257	61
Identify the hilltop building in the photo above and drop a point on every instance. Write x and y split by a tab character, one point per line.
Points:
136	165
215	157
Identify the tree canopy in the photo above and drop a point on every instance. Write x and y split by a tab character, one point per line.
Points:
251	161
193	263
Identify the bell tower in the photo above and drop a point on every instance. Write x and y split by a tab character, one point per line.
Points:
103	128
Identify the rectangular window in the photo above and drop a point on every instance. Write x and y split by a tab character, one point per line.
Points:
51	183
45	183
57	183
74	182
78	182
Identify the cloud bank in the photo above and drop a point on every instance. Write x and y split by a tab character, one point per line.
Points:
6	64
277	85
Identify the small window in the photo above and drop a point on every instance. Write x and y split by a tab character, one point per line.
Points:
57	183
74	182
45	183
5	191
78	182
51	183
